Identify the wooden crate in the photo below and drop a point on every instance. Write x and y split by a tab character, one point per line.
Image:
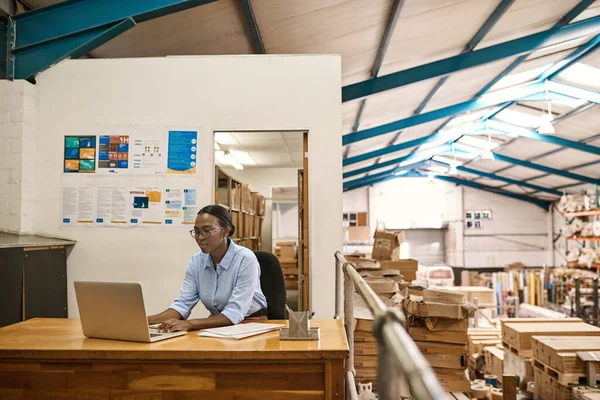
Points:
547	388
519	336
494	360
559	353
485	296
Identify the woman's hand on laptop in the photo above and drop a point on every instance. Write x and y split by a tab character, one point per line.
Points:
172	325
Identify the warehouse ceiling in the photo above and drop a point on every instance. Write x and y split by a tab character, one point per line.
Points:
497	145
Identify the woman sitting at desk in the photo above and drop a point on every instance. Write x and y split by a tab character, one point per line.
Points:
225	276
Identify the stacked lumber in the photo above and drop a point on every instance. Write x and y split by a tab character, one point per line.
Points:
494	360
483	337
518	344
557	368
438	323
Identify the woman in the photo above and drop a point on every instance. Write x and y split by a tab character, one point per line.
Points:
225	276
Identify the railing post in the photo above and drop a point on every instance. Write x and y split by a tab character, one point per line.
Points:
349	315
577	297
386	375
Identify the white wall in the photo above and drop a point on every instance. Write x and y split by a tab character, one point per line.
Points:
17	134
263	180
517	232
214	93
356	200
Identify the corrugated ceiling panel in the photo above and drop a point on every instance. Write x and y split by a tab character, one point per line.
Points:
429	30
349	111
397	154
488	165
350	28
371	144
591	11
560	48
516	189
526	17
520	173
394	104
526	148
591	171
359	165
464	85
581	126
215	28
466	175
589	188
552	181
593	59
418	131
567	158
490	182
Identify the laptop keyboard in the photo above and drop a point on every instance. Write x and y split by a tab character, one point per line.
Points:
156	334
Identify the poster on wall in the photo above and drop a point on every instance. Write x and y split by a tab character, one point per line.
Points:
147	207
80	154
148	153
79	205
113	153
182	153
112	207
180	206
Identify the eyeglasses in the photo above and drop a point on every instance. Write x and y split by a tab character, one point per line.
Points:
203	234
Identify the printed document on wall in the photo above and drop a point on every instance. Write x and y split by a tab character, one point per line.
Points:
181	158
147	208
148	153
79	205
180	206
112	207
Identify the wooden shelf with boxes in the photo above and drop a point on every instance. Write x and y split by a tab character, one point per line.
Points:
247	209
287	253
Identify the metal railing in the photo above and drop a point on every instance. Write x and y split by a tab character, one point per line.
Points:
398	356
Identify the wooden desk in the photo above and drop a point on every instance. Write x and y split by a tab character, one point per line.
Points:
43	358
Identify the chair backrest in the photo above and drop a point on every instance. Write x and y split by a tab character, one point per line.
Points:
272	284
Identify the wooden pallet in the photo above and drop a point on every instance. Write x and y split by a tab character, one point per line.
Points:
560	352
547	388
561	377
524	354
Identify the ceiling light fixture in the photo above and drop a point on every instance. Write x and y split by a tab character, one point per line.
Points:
546	128
487	154
228	158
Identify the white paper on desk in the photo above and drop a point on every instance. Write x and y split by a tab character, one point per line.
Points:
240	331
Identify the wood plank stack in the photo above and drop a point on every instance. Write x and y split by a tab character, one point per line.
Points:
494	360
557	368
518	340
438	323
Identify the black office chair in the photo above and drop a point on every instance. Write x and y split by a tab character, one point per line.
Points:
272	284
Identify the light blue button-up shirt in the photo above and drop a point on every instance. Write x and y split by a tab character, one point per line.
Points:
233	289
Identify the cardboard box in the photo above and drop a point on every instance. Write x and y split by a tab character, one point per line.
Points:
287	250
423	309
235	220
247	204
357	234
408	268
258	223
289	267
258	203
236	196
248	222
387	245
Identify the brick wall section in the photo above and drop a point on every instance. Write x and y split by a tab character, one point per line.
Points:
17	155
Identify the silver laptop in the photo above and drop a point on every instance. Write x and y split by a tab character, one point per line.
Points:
114	310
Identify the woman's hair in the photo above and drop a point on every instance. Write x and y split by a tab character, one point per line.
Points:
222	215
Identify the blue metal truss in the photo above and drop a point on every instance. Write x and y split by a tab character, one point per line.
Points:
253	26
368	178
468	60
502	178
540	203
383	45
475	40
408	174
550	170
40	38
420	156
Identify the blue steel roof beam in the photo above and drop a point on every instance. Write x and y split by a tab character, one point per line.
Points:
489	23
550	170
501	178
42	37
420	156
486	101
470	59
410	174
385	173
259	47
383	45
540	203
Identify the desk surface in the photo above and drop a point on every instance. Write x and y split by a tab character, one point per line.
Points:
63	339
9	240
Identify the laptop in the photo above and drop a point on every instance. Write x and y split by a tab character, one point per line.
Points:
115	310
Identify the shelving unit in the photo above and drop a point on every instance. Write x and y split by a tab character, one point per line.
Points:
229	193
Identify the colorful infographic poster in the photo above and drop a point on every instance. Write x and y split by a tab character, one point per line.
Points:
80	154
113	153
180	206
148	154
147	206
182	153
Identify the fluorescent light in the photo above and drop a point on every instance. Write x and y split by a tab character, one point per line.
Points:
403	172
225	138
232	161
217	147
243	157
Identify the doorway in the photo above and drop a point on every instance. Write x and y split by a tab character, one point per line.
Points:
260	177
